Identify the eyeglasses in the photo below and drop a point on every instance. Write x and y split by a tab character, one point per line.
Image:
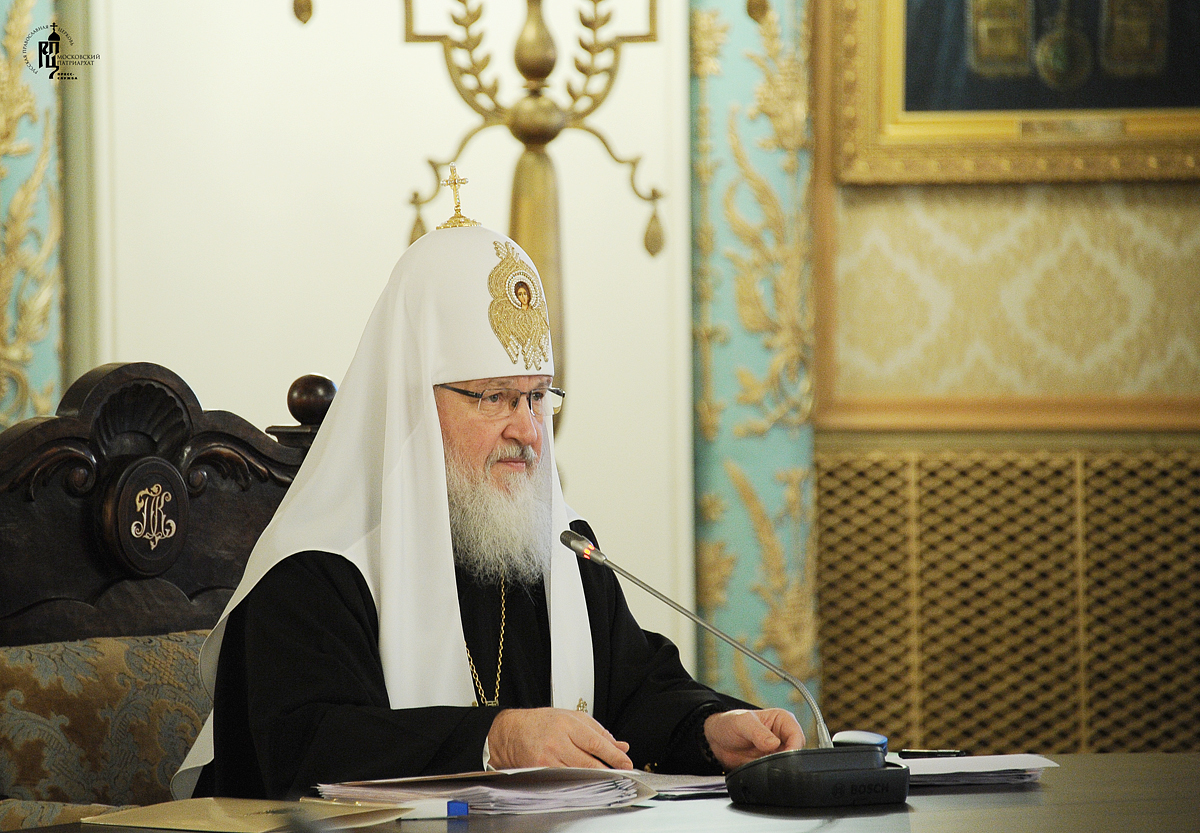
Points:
500	403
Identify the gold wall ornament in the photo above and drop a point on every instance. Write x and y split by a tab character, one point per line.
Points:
710	507
518	309
714	569
536	120
28	284
747	690
782	95
708	35
790	625
777	243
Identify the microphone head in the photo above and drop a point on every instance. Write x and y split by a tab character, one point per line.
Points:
581	545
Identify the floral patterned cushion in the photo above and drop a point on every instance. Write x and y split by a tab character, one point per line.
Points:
16	814
100	721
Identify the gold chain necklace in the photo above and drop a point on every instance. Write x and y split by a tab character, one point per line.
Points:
499	660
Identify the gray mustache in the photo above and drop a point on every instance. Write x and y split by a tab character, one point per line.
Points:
525	452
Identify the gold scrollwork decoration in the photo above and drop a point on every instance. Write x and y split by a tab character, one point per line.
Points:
711	507
708	34
714	569
789	626
29	286
777	245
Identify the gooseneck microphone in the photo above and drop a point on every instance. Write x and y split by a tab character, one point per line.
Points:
586	549
827	776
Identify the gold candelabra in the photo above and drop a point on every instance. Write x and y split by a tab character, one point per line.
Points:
535	120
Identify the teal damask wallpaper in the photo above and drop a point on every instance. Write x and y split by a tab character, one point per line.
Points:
753	336
30	278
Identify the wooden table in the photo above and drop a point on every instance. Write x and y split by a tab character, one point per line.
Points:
1094	793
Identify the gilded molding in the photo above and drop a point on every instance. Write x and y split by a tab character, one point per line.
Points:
877	141
28	285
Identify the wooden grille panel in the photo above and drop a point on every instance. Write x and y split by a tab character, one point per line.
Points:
1012	601
866	623
1143	602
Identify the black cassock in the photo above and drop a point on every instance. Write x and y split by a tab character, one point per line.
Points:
300	696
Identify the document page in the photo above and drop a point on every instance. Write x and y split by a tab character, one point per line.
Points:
973	769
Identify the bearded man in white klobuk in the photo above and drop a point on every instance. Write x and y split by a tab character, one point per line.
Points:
409	609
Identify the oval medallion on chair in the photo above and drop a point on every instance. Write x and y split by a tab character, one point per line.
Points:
145	517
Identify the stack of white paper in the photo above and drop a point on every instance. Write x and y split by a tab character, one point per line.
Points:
682	786
538	790
973	770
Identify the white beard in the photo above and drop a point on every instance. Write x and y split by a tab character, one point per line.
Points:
500	535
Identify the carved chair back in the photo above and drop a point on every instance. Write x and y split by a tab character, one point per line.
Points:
125	523
132	511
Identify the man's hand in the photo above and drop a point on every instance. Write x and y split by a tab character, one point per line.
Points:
553	737
740	735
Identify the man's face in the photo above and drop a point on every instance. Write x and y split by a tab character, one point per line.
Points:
473	438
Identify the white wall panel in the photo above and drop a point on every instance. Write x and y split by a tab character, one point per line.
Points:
252	177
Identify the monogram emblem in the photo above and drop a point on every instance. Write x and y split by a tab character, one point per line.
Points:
153	525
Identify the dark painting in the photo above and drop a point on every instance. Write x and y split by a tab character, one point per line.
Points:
993	55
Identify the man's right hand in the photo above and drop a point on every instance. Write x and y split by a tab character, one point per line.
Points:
553	737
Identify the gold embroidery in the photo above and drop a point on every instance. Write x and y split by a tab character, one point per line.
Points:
581	706
518	309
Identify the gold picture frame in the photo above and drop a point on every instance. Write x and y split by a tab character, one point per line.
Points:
878	141
835	410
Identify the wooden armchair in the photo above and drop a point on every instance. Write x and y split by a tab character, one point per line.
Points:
125	524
